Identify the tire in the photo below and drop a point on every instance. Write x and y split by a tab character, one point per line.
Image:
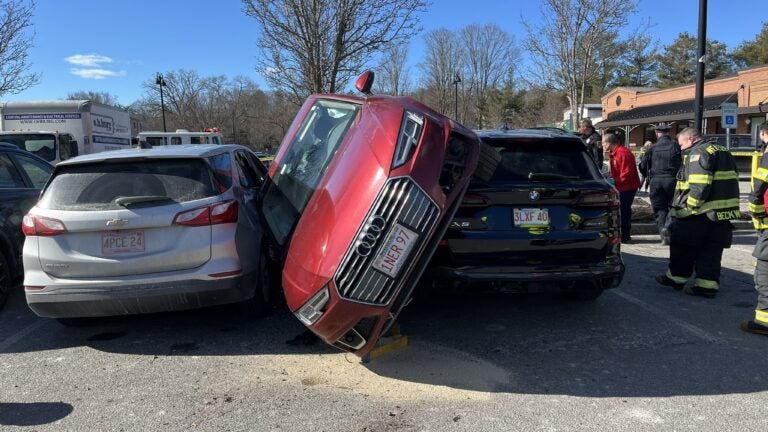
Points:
6	280
261	303
487	162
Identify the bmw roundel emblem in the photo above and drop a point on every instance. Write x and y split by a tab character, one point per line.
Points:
534	195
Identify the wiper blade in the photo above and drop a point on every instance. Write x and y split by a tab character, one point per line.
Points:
141	199
532	176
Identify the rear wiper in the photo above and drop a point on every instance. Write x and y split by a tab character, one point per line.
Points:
141	199
549	176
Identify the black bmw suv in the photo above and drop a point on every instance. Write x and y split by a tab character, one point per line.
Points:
22	175
546	218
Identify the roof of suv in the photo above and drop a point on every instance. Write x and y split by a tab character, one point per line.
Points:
171	151
527	134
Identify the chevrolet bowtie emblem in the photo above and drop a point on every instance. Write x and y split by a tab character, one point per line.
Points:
116	223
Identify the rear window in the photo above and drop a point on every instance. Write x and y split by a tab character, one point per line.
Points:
541	160
97	186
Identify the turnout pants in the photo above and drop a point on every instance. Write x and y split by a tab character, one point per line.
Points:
661	191
761	278
696	244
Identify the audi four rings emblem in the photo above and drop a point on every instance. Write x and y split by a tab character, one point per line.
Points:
534	195
370	236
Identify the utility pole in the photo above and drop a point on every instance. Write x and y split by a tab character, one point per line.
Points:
161	82
456	81
702	57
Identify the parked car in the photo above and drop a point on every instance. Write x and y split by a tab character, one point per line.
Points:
22	176
359	194
148	230
742	147
546	218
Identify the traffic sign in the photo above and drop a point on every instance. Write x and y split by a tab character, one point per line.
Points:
730	112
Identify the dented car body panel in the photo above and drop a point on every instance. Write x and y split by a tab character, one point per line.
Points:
357	224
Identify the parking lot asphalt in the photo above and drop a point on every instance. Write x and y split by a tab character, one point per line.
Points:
641	358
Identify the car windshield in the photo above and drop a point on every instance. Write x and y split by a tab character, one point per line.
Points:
542	160
302	167
115	185
42	145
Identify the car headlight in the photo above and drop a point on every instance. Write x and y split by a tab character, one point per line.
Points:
313	308
408	139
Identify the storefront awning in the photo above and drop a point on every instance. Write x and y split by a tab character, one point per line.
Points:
668	112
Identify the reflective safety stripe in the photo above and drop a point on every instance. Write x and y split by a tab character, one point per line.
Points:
676	279
761	316
761	174
682	185
732	203
700	178
715	148
756	208
707	284
760	223
726	175
693	202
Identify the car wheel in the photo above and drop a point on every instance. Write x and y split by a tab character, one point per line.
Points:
261	303
6	280
584	291
487	162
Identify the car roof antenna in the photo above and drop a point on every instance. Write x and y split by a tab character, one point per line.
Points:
365	82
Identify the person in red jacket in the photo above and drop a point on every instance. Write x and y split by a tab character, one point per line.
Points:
626	179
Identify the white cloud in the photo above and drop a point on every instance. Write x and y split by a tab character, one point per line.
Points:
88	60
96	74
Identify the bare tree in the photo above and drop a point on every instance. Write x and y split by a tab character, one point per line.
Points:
572	33
15	42
490	57
95	96
393	75
442	64
316	46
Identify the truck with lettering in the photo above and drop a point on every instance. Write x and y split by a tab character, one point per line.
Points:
59	129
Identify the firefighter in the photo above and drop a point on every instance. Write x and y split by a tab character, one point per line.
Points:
757	206
706	199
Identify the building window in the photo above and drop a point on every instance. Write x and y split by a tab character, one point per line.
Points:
618	100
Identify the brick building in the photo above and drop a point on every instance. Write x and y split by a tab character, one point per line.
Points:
633	112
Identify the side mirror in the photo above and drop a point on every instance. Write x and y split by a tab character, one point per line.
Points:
365	82
73	149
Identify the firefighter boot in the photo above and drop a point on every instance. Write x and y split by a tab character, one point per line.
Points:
753	327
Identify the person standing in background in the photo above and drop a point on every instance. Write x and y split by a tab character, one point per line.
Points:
660	165
591	139
626	179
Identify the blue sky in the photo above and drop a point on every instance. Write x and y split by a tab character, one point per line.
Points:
116	46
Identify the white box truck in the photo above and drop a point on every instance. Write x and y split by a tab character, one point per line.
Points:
60	129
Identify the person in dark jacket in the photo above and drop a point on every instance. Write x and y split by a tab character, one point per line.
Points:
706	200
757	206
625	178
660	165
591	139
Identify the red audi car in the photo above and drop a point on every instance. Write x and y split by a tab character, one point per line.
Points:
358	197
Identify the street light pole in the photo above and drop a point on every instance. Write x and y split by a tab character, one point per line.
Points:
161	82
456	81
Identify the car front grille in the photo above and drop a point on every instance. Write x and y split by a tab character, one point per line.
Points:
401	201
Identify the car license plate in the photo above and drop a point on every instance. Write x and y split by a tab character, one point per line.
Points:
397	247
527	217
117	242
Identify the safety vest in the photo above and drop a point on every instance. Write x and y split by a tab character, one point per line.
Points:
708	184
757	197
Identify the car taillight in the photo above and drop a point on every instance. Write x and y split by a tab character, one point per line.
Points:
33	225
475	201
219	213
599	199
